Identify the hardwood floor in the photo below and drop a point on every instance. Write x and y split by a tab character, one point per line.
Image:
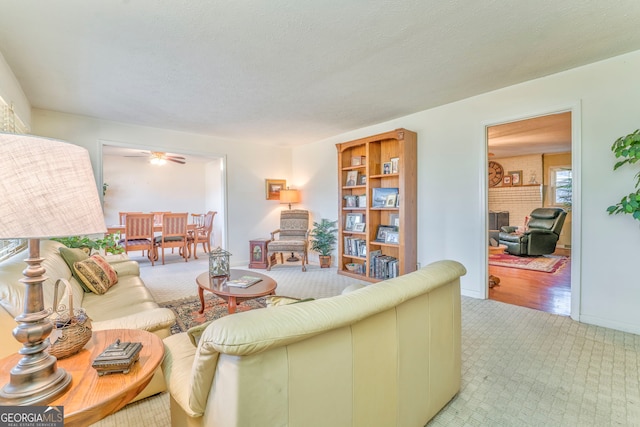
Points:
550	292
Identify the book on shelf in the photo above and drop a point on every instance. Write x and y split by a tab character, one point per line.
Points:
243	282
383	266
355	246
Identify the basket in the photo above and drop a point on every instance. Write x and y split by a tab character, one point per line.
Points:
71	328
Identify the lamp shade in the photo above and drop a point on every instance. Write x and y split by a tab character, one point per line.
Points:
47	189
289	196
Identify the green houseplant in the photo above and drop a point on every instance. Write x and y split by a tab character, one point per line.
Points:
323	240
109	243
627	148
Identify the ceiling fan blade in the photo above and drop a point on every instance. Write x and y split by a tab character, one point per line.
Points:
176	160
176	157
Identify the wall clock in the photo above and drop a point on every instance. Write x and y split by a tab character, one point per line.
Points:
496	172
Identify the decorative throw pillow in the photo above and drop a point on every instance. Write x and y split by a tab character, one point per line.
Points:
96	273
276	300
71	256
196	332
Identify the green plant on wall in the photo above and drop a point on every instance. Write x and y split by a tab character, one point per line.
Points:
627	149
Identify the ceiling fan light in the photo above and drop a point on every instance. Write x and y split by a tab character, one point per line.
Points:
158	161
157	158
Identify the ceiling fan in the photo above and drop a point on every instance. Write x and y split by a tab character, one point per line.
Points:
160	158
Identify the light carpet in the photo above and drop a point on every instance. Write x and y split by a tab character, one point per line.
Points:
520	367
545	263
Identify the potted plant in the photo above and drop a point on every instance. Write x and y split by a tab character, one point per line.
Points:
109	243
628	149
323	240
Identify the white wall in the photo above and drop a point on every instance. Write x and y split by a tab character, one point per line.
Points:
452	185
249	214
135	185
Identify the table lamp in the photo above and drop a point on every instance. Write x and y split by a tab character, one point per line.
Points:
47	189
290	196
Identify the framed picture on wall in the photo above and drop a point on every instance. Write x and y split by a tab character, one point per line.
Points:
516	177
506	181
273	187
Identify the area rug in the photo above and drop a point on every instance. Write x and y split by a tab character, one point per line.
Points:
187	310
545	263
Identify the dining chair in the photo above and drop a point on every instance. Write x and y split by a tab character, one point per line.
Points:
138	234
197	219
122	216
203	234
157	217
174	234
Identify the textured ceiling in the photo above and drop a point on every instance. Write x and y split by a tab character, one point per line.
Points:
289	72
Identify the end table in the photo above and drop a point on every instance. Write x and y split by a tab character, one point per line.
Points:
92	397
258	253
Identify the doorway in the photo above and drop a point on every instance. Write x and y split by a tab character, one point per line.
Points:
192	182
530	166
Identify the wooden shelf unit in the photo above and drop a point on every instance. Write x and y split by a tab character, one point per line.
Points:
374	152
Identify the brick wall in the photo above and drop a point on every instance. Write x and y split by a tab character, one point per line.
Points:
519	201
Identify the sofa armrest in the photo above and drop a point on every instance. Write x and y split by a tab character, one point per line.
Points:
508	229
127	268
147	320
116	258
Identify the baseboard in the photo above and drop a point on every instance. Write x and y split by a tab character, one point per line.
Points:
611	324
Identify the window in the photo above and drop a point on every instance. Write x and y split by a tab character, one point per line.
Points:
10	122
11	246
561	189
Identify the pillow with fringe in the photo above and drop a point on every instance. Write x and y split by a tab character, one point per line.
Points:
96	274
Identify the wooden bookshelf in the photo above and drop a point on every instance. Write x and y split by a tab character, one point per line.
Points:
388	161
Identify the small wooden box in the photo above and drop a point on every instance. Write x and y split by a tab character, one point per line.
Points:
118	357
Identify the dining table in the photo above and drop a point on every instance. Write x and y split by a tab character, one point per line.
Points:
119	228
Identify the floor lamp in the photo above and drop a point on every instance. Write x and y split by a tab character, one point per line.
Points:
48	189
289	196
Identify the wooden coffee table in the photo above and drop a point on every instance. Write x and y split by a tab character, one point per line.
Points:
233	295
92	397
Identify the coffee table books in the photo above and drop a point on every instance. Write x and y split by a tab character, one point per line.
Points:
243	282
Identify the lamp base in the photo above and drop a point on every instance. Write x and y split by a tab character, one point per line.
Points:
293	258
40	383
36	377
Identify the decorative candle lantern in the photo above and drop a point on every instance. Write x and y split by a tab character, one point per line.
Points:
219	262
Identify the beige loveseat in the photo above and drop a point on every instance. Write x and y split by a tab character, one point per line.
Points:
128	304
387	354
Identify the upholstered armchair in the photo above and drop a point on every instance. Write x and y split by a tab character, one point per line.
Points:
293	236
541	236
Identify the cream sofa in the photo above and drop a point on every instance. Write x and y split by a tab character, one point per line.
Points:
128	304
384	355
